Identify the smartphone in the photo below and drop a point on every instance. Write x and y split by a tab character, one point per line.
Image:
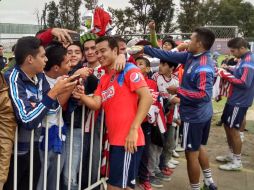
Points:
75	37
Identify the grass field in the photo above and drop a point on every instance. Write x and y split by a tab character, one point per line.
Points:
7	54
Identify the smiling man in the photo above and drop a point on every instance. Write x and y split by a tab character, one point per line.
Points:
126	100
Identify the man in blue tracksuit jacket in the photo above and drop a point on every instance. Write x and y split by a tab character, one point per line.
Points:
241	94
195	95
32	99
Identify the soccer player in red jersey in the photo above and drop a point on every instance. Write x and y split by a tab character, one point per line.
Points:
126	100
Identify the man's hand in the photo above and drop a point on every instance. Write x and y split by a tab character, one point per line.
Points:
63	85
182	46
78	92
131	140
224	66
62	35
172	90
120	62
84	72
151	26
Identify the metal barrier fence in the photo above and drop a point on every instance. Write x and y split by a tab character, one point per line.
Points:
101	181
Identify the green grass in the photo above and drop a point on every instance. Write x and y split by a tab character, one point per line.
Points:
220	59
8	54
219	106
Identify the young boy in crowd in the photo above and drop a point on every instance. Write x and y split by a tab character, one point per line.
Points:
75	55
144	177
164	79
58	65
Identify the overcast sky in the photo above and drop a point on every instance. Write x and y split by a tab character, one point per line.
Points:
23	11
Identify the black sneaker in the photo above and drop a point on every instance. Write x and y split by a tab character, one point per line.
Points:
212	186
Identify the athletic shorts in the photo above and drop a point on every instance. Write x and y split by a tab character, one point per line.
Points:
123	166
195	135
233	116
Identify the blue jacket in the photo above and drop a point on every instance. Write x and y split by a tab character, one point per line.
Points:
241	92
31	103
196	88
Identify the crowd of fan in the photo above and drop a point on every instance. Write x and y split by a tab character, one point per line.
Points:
147	91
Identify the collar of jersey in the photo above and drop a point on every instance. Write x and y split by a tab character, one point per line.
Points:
25	77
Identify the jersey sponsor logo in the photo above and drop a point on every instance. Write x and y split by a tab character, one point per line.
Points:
109	93
136	77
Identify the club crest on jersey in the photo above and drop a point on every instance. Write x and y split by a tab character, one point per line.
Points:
136	77
109	93
189	69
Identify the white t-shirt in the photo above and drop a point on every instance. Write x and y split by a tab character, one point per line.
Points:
53	117
163	83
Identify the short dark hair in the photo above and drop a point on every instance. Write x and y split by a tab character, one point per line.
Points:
1	45
169	40
77	44
111	42
55	53
148	64
237	43
119	39
206	37
170	64
26	46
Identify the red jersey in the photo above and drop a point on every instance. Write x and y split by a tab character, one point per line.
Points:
120	102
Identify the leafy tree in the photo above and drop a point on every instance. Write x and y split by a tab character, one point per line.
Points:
69	14
123	20
44	15
187	18
52	17
162	12
141	13
75	14
207	12
237	13
246	21
90	4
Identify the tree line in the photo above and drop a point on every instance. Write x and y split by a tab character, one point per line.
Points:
168	18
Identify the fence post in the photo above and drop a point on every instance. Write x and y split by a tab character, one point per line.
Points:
46	155
15	160
82	146
31	160
70	156
91	151
101	137
59	155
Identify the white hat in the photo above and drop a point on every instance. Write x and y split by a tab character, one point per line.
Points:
133	42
